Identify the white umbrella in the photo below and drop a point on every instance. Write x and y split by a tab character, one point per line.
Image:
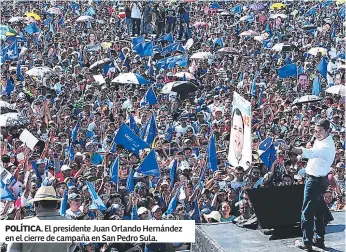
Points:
337	89
307	98
315	50
16	19
84	18
244	18
100	62
201	55
248	33
6	107
186	75
39	71
54	10
12	119
281	47
130	78
275	16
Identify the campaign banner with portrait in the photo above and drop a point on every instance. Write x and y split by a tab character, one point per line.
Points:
240	152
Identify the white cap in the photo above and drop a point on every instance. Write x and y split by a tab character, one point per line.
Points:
65	168
141	210
154	208
213	215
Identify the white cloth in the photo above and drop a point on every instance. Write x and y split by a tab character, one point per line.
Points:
321	157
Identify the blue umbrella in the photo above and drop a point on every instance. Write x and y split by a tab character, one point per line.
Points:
131	78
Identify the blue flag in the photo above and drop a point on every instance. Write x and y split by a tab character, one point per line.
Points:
129	140
5	192
149	131
38	175
237	9
75	132
173	203
89	12
63	204
196	214
61	21
267	44
133	125
144	49
19	74
322	67
149	165
342	12
32	28
311	12
9	86
138	40
149	98
215	5
130	184
253	87
10	52
114	170
172	48
173	165
326	3
267	151
95	198
212	155
201	178
269	30
166	37
287	71
51	29
316	86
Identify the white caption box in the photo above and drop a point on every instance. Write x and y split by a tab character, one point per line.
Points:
153	231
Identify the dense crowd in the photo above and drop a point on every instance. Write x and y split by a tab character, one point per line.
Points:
76	74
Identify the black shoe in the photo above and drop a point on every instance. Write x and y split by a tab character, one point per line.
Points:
301	245
319	244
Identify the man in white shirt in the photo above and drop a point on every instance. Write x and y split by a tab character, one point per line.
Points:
136	18
321	155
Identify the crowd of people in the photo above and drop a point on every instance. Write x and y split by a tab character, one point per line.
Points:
62	72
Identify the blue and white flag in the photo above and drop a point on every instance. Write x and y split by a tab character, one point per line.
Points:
96	198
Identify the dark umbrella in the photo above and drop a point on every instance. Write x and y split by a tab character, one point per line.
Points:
309	27
181	87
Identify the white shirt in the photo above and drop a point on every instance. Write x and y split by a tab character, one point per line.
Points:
321	157
135	12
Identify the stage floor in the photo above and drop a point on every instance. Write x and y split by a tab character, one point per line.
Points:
230	238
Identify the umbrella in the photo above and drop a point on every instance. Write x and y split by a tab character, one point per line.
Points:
244	18
130	78
261	37
185	75
13	119
84	18
122	14
338	2
54	10
277	6
256	7
33	15
100	63
306	99
227	50
315	50
181	87
198	24
275	16
5	28
248	33
309	27
6	107
225	13
15	19
337	89
201	55
282	47
39	71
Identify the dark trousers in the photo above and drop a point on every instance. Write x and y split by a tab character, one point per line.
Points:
170	26
136	24
160	28
314	209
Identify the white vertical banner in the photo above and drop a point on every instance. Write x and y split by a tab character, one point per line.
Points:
240	146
